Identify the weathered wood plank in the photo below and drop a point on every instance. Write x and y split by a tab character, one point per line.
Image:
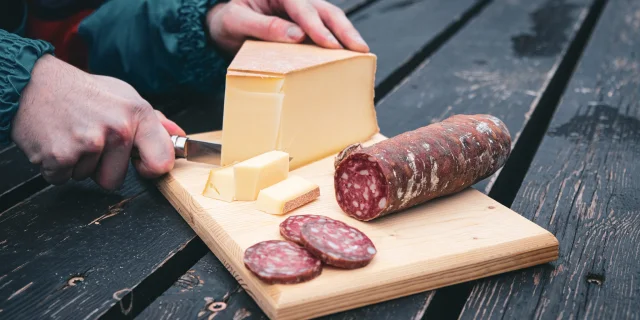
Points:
583	187
483	47
208	289
19	179
76	250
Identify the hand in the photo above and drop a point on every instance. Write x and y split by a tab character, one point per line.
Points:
76	125
269	20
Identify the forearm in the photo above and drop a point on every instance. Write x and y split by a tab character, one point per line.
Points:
18	55
158	46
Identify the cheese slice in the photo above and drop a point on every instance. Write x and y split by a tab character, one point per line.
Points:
259	172
220	185
307	101
287	195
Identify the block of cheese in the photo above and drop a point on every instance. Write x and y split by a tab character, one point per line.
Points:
287	195
259	172
220	184
307	101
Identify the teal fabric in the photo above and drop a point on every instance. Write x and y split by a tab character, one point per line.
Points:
158	46
18	55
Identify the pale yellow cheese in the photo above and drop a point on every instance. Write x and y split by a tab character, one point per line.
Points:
325	101
259	172
220	185
287	195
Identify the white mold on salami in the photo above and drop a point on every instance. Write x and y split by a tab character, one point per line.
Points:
434	174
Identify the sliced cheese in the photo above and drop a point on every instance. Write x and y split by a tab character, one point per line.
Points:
316	100
259	172
287	195
220	185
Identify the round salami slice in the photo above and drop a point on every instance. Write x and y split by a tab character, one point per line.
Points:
290	227
282	262
337	244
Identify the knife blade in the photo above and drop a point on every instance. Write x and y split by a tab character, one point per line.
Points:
194	150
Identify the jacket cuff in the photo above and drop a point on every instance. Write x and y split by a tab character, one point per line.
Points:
18	55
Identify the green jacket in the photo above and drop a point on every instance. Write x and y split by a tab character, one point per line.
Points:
157	46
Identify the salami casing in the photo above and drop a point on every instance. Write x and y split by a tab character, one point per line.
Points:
337	243
411	168
290	227
283	262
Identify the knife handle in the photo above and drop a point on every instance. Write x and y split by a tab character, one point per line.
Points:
179	147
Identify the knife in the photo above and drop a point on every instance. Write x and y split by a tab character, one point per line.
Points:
194	150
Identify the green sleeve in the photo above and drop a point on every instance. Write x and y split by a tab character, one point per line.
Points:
157	46
18	55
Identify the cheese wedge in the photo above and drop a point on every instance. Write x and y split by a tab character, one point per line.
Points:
220	185
259	172
307	101
287	195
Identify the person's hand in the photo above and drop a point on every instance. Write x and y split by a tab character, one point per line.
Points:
288	21
76	125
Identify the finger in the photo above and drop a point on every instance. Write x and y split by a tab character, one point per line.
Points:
57	176
156	154
112	166
340	25
86	166
249	23
171	127
307	17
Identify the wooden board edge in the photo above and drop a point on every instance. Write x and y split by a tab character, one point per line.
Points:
547	251
171	188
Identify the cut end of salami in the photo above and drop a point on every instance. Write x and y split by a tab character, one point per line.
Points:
337	243
281	262
345	152
414	167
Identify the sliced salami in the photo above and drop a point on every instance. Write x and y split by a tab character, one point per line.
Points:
416	166
290	227
337	243
282	262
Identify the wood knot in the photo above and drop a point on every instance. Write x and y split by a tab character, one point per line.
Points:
217	306
594	278
492	207
74	280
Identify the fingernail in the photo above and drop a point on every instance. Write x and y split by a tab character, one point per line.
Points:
294	33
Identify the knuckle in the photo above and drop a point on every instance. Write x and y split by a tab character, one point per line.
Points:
121	132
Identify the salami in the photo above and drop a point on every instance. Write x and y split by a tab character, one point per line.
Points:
337	243
416	166
282	262
290	227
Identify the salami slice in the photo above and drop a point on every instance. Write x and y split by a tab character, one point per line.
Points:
337	243
283	262
416	166
290	227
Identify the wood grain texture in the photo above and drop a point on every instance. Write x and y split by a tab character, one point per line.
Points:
416	249
209	290
500	64
75	250
583	186
398	30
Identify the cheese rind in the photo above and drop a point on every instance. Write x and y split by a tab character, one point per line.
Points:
317	100
287	195
220	184
259	172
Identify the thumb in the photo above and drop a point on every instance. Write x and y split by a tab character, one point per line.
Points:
169	125
267	28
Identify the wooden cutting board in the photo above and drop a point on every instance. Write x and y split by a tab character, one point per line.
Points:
446	241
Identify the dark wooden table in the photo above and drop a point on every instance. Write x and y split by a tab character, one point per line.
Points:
564	75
